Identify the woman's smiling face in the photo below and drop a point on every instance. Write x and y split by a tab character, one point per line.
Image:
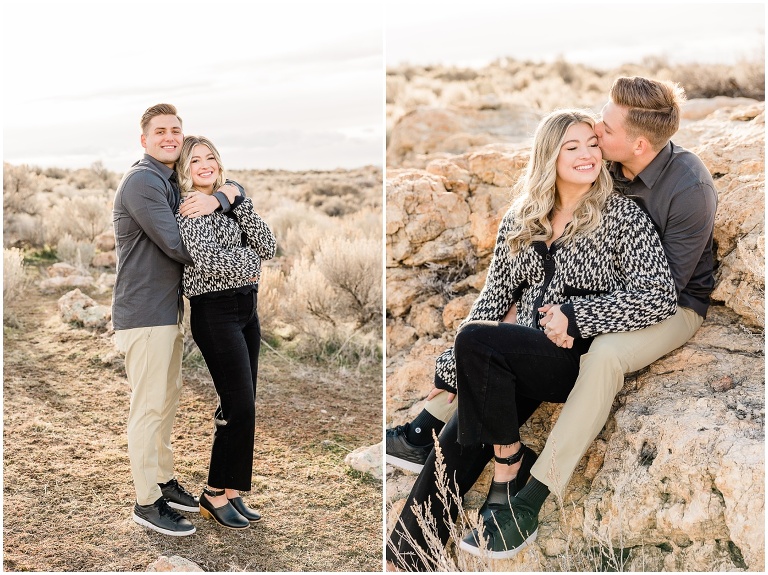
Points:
580	159
203	168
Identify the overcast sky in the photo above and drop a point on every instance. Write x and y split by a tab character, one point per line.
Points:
474	33
296	85
285	85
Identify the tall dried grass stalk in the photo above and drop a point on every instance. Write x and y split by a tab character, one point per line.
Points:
14	276
438	557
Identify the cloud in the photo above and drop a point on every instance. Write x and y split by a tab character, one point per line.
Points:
236	71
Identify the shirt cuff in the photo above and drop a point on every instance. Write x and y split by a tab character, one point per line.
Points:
573	329
238	201
225	205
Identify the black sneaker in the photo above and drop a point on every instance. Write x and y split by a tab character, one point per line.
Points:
162	519
178	497
402	453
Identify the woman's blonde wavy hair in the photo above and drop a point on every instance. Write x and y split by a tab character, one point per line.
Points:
536	193
182	164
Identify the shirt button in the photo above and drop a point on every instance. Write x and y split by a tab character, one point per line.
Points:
548	257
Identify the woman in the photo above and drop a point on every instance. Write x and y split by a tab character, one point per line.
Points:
222	288
574	260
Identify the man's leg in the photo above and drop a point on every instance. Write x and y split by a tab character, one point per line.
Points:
149	353
407	446
601	376
164	450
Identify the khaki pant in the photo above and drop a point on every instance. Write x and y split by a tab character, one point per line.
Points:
153	366
601	376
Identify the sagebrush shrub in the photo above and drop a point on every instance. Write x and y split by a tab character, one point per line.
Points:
77	253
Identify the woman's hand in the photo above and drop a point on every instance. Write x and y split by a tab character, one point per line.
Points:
437	391
198	204
555	324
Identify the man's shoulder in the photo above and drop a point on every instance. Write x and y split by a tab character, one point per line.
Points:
685	159
146	169
144	174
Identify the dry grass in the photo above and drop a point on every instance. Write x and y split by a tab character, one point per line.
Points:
584	548
67	487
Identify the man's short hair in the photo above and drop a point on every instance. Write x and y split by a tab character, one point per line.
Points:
653	107
157	110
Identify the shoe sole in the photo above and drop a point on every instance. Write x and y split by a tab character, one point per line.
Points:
508	554
208	515
404	464
180	507
154	527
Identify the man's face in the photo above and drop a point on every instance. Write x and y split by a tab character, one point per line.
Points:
611	135
163	139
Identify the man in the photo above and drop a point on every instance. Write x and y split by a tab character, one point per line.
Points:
147	311
674	187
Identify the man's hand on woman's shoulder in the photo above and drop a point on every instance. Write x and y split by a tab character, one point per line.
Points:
198	204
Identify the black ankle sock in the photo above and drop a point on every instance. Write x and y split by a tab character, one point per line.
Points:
499	493
533	494
420	429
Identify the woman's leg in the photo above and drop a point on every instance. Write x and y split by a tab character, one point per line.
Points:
219	329
462	464
498	362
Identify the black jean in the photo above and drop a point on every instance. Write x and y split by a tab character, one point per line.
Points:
498	362
504	372
227	331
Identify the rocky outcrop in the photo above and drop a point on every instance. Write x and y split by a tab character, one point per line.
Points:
731	142
425	134
675	480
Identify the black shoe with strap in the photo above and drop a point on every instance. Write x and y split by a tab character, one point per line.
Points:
178	497
226	515
528	457
159	517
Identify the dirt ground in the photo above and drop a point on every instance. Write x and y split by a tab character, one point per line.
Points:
67	490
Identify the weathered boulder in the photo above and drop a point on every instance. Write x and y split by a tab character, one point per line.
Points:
731	142
174	563
104	259
76	307
426	133
56	283
105	241
62	270
367	460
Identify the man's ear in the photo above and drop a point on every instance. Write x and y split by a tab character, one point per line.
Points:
143	141
641	146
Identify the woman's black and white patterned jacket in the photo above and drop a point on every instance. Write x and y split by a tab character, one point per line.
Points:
615	279
215	244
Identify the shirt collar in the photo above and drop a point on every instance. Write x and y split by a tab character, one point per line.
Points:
651	172
162	168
